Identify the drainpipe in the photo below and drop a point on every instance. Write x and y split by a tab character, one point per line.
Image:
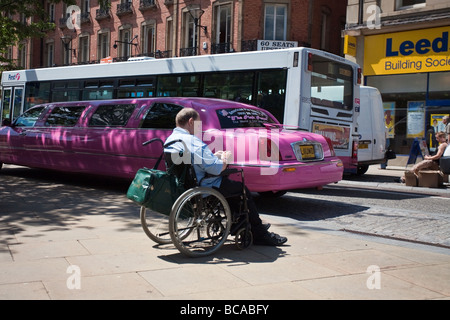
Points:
310	21
240	27
175	28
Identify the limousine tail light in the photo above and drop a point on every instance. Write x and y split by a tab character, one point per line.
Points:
268	150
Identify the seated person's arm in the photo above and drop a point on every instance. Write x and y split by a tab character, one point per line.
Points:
439	153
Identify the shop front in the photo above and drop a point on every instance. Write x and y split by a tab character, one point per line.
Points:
412	71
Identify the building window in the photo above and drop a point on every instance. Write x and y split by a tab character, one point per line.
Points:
124	44
9	53
169	35
85	5
67	58
22	56
50	52
275	18
103	45
409	4
148	38
190	36
324	31
223	26
83	49
51	12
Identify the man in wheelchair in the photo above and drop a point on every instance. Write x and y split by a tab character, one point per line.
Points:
209	166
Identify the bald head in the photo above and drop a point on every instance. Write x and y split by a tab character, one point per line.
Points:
184	115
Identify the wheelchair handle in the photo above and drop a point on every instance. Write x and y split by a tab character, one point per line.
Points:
153	140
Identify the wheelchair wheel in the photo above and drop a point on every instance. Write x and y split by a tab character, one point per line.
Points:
200	222
155	225
243	239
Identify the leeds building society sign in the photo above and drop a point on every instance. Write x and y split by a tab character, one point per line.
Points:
425	50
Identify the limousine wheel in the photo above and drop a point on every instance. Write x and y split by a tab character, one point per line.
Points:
155	225
200	222
271	194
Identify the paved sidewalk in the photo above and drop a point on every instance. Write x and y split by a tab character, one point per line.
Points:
376	178
87	243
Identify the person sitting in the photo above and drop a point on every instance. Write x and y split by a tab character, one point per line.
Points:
205	162
430	162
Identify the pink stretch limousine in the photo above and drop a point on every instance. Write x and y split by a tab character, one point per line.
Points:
105	138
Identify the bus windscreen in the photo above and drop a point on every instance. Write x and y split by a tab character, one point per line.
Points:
331	83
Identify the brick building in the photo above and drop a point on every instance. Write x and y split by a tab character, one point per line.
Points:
89	32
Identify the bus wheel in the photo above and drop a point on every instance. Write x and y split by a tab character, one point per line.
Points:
272	194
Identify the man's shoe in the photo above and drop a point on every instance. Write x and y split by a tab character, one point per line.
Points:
266	226
269	239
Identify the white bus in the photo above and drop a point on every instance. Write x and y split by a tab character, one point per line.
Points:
303	88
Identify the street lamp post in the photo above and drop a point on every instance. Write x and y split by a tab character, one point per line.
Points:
126	42
196	13
67	40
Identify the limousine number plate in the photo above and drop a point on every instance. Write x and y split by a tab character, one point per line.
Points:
307	152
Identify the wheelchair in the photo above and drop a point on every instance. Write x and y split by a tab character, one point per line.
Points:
201	219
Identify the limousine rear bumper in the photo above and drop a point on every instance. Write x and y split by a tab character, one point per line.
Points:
288	176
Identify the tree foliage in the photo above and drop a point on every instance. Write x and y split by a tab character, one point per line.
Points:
13	30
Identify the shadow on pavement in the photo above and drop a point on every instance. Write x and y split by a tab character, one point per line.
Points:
60	201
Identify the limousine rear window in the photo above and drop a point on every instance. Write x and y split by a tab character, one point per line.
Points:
66	116
112	115
242	118
29	118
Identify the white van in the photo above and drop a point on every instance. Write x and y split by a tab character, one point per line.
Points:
371	128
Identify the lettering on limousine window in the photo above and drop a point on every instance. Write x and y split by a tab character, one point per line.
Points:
242	118
112	115
64	116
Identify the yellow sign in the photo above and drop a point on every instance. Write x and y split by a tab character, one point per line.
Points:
425	50
350	45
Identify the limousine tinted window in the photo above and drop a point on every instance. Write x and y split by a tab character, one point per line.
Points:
29	118
112	115
64	116
161	116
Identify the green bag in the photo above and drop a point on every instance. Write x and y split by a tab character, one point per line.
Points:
155	189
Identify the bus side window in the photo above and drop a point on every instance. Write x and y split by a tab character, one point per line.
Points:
235	86
179	86
272	92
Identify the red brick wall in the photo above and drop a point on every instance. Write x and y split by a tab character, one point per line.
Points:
249	26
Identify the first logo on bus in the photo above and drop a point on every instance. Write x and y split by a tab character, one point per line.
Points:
14	77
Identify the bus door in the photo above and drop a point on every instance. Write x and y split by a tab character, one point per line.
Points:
12	103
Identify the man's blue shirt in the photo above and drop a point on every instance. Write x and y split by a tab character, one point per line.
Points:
202	158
